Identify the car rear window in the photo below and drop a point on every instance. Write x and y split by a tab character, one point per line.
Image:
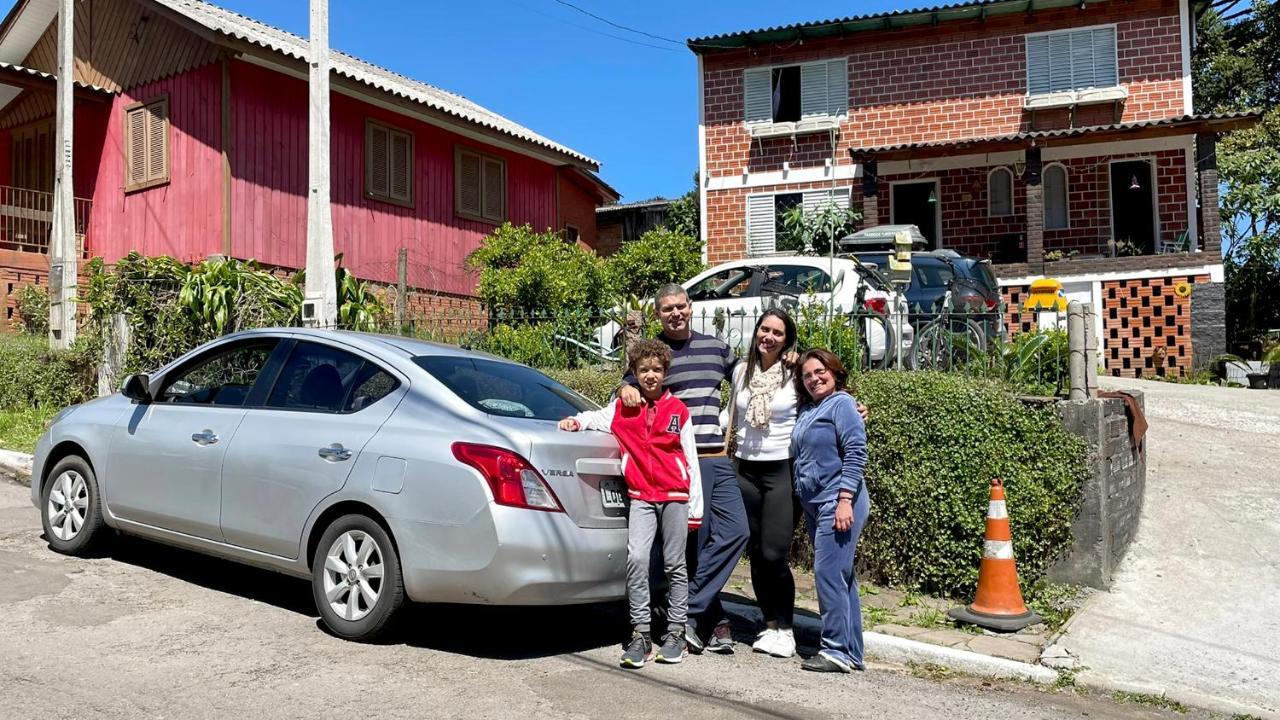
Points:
506	389
982	271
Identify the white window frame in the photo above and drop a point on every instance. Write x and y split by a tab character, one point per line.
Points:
937	207
991	210
1066	195
848	189
812	123
1115	29
1150	160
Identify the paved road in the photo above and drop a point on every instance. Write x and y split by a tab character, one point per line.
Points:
1195	609
149	632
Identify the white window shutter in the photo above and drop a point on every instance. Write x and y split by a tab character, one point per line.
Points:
1082	75
815	200
1059	62
757	90
1037	64
1104	57
761	224
813	89
837	87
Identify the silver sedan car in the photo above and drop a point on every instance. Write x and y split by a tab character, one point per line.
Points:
382	468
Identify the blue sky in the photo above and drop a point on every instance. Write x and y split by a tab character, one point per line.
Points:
559	72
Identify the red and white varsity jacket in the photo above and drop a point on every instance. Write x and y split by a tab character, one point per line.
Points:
659	452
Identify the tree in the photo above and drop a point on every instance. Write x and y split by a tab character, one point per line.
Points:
528	271
658	257
1237	67
817	229
683	214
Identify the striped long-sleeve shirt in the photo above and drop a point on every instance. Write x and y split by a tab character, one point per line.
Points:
698	366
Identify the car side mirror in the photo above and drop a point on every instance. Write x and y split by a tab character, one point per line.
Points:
137	388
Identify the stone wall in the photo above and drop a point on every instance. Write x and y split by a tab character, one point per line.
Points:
1208	322
1113	492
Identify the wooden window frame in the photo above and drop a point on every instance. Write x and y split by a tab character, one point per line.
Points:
577	233
129	187
369	194
458	153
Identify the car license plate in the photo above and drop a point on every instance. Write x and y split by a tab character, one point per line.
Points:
613	493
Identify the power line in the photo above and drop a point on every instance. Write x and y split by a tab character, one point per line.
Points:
607	21
594	30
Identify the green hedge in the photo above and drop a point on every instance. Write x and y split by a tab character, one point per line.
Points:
935	442
33	376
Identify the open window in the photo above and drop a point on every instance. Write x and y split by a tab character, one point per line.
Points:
789	94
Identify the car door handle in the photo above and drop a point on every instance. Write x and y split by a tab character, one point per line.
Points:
738	313
335	453
205	437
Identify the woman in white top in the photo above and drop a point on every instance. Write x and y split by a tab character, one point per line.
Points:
763	414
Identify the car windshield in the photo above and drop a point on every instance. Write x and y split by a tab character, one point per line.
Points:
502	388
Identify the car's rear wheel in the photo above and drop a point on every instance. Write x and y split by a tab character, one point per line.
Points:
356	580
71	509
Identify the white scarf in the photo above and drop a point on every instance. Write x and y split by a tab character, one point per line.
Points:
763	385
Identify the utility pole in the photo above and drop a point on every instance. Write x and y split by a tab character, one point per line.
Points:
320	305
63	254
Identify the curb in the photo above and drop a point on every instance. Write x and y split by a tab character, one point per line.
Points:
15	466
901	650
1191	698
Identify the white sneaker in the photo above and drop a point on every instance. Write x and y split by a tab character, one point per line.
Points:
784	643
765	641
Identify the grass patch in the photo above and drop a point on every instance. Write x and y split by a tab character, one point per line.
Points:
873	616
931	618
930	671
20	429
1154	701
1055	602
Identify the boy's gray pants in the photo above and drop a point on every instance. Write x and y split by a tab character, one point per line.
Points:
670	520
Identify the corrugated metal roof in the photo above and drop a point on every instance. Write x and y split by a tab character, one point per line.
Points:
47	76
660	202
1065	132
249	30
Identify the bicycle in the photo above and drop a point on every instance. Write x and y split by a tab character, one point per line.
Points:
950	339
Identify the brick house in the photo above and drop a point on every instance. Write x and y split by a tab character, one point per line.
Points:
190	128
1054	137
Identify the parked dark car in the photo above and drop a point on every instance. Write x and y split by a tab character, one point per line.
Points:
974	289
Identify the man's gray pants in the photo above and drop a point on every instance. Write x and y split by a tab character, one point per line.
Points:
670	520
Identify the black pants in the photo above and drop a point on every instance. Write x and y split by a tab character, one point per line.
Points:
771	516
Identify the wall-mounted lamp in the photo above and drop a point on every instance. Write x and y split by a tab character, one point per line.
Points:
933	197
1133	183
1019	167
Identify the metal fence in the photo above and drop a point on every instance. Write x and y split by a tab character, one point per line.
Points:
26	219
950	340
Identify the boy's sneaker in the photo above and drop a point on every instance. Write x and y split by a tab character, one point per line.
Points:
721	639
639	651
672	650
693	640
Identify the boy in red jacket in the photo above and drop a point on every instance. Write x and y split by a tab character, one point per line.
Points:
660	466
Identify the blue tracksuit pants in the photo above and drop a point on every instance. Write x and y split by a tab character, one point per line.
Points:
837	583
719	543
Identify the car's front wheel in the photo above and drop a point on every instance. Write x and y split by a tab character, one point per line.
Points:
71	509
355	579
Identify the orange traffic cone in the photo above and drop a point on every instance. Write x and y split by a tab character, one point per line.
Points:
998	604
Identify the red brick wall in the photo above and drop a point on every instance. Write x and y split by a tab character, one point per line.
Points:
967	228
957	80
1147	327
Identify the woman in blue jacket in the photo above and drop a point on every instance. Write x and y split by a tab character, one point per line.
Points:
830	447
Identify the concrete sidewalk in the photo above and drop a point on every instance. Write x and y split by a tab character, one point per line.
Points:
1195	609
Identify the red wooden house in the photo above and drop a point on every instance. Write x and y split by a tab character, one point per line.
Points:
1055	137
191	140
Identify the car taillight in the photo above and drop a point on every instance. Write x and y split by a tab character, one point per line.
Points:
991	304
514	482
876	304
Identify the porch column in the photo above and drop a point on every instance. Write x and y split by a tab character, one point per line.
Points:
1035	211
1207	170
870	194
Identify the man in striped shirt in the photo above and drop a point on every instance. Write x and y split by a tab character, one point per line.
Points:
699	364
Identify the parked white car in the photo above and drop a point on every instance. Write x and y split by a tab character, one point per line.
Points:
728	299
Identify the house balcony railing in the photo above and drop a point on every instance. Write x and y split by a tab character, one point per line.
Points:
26	220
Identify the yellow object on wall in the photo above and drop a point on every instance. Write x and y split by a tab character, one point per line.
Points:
1182	289
1046	294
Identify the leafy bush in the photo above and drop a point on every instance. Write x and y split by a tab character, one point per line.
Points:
658	257
1034	363
33	310
935	442
817	327
525	270
33	376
